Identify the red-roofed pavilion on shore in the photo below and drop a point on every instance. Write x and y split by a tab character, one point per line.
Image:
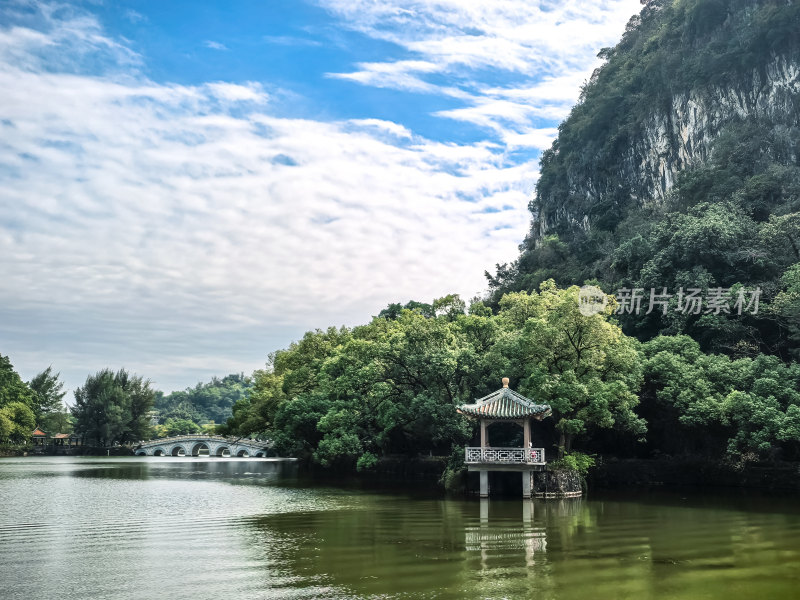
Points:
38	437
505	405
59	443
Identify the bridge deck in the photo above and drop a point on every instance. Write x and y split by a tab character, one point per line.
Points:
203	445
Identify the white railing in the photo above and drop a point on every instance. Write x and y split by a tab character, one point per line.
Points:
505	456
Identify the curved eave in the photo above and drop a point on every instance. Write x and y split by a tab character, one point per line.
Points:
488	411
505	404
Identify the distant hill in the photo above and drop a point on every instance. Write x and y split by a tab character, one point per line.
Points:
205	402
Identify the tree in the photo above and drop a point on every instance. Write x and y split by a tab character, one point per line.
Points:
49	392
17	422
346	397
12	388
584	367
712	404
17	402
112	408
212	401
394	386
180	427
787	306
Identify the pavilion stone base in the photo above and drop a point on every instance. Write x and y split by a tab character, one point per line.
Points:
526	472
556	484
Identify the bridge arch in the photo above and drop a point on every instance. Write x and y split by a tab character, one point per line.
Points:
201	449
204	445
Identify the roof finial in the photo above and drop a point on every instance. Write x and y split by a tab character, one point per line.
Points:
505	382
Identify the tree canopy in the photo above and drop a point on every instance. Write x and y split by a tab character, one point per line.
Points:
583	366
49	410
210	402
349	396
17	405
111	408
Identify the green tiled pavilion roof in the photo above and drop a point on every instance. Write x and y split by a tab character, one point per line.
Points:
505	404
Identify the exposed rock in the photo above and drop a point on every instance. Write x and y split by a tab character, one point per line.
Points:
679	138
557	484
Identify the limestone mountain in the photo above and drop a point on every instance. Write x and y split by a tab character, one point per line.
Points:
678	168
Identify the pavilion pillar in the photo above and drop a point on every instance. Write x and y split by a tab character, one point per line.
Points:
484	437
484	484
526	484
526	433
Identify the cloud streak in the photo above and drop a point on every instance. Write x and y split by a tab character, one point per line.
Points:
181	231
548	49
215	45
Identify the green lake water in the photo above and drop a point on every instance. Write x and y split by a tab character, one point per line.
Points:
197	528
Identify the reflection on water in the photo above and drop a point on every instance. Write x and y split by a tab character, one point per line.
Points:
489	540
82	528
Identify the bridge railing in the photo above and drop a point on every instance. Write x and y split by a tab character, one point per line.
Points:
201	437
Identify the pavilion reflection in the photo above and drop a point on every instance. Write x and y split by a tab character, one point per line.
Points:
506	535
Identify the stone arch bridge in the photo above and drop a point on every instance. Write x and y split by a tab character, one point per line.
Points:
203	445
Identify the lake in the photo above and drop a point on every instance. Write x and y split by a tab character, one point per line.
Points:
197	528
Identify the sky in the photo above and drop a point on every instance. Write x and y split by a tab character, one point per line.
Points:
186	187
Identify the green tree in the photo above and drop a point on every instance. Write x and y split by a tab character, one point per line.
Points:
347	397
712	404
394	386
17	403
212	401
787	306
583	366
180	427
112	408
12	388
49	410
16	422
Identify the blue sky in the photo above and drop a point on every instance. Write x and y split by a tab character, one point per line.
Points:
188	186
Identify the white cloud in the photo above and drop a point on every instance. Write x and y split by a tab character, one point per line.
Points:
134	17
540	139
288	40
232	92
65	40
547	49
215	45
379	126
184	231
164	227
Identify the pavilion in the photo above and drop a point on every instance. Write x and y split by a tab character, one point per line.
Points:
59	443
505	405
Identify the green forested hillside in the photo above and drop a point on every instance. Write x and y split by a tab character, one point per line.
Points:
185	411
709	91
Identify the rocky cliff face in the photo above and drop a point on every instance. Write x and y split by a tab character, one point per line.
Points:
678	138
